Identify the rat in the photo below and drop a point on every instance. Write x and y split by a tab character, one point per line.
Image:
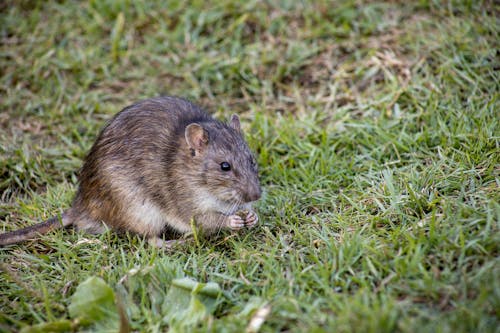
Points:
158	165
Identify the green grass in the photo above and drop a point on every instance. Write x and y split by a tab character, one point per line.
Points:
376	127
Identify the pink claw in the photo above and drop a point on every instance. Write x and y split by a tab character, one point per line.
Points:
235	222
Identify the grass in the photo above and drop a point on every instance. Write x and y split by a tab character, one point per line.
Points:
376	126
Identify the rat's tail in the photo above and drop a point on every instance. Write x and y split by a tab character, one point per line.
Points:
21	235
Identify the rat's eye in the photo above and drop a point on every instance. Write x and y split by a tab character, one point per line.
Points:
224	166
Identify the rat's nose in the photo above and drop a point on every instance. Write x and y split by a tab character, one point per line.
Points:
253	194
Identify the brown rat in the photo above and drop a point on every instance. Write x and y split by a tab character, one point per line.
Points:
160	164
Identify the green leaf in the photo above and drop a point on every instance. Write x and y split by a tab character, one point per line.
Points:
188	302
93	301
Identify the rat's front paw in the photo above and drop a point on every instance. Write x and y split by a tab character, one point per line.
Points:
251	219
235	222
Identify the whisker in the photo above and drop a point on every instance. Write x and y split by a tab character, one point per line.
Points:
229	211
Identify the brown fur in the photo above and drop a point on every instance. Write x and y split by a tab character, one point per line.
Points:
157	164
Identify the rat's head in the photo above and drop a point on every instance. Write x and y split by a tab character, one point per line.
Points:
228	169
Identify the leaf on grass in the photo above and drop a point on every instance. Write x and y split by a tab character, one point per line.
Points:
93	301
187	302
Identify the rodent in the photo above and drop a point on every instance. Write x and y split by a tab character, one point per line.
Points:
157	164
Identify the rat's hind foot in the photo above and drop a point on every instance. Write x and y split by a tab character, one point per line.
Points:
165	244
89	225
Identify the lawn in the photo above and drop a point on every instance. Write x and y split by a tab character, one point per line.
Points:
376	128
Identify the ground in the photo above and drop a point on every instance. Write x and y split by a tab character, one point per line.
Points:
376	128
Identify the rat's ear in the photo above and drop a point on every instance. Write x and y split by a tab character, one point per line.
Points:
196	136
235	123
